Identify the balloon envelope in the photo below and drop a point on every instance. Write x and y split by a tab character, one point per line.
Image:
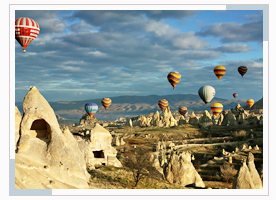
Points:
250	102
235	95
206	93
163	104
91	108
26	30
174	78
216	108
106	102
242	70
183	111
219	71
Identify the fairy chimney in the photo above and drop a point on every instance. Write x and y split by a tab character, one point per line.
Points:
17	125
243	178
42	141
180	170
100	149
254	173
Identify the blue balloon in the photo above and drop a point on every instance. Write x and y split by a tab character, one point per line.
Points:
91	108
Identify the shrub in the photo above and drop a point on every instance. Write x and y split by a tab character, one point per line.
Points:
139	164
240	134
227	172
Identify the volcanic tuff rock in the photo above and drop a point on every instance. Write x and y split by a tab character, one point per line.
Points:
155	119
248	177
43	142
193	119
182	120
253	119
180	170
100	149
88	119
17	125
205	120
229	119
254	173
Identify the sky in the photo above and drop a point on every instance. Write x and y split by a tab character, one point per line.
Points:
91	54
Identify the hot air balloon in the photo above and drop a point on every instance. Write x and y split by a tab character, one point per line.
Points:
26	30
242	70
216	108
163	104
219	71
174	78
206	93
183	111
91	108
235	95
106	102
250	102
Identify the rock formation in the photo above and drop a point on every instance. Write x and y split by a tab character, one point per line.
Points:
46	146
193	119
129	123
17	125
205	120
180	170
168	119
253	172
155	119
253	119
182	120
248	177
229	119
156	164
220	120
100	151
243	178
261	120
88	120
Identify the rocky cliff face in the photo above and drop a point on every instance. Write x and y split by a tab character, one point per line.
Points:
46	146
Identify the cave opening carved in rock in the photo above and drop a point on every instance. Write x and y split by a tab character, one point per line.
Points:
41	129
98	154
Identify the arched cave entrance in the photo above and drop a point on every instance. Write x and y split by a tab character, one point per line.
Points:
41	129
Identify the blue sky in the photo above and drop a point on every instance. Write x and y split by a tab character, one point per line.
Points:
90	54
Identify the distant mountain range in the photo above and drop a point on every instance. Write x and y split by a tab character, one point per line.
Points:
128	106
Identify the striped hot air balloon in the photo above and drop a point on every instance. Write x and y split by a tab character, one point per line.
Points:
216	108
91	108
26	30
250	102
219	71
163	104
174	78
242	70
106	102
235	95
183	111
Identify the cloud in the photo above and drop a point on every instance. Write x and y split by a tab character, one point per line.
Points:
111	53
232	48
165	14
189	41
234	32
253	17
47	20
